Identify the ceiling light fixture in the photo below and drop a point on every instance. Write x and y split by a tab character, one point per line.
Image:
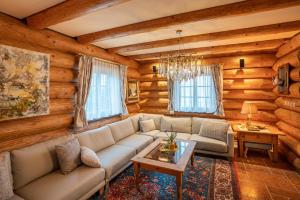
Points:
179	66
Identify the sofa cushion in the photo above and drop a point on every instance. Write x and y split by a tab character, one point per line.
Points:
183	125
43	156
68	155
136	141
6	183
147	125
155	117
180	136
121	129
209	144
89	157
63	187
197	122
150	133
96	139
114	158
215	130
135	121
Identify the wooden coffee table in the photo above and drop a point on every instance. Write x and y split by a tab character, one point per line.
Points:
173	163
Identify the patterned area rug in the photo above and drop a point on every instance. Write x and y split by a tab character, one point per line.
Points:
209	178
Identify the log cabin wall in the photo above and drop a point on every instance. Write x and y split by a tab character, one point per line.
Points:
253	83
288	112
63	50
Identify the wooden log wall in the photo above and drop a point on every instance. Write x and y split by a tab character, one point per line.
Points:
288	112
63	50
253	83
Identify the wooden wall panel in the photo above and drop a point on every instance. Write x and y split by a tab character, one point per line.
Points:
288	112
254	83
63	73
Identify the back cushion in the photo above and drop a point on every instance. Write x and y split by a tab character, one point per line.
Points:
96	139
135	121
155	117
182	125
215	130
35	161
196	123
122	129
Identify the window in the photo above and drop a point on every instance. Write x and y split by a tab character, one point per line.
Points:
195	95
104	99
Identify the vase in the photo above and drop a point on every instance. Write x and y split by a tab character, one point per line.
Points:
172	146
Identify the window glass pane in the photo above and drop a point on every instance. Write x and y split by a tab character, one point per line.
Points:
104	98
195	95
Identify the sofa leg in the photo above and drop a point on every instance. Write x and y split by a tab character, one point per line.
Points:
230	159
106	189
101	193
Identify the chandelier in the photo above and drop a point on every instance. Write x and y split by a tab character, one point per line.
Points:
179	66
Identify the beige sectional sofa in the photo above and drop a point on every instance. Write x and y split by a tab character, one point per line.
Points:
36	172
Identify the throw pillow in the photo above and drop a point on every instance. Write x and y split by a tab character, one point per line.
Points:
68	155
89	157
6	187
215	130
147	125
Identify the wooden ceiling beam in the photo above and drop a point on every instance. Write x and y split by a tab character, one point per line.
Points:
68	10
252	47
224	35
229	10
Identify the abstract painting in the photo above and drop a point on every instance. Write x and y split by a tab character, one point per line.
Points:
24	83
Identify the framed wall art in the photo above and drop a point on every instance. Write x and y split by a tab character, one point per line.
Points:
24	83
132	91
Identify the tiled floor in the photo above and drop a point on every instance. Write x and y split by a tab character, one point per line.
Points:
261	179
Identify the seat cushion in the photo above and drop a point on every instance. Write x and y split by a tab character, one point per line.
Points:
43	156
96	139
209	144
63	187
150	133
197	122
215	130
183	125
136	141
180	136
114	158
121	129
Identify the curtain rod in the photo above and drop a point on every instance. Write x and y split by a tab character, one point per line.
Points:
100	59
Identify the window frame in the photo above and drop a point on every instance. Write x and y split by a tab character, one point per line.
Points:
195	98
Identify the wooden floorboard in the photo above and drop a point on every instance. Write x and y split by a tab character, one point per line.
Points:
261	179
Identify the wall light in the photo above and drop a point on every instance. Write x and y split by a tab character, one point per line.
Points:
242	63
154	69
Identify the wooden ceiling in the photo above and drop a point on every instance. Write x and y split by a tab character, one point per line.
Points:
145	29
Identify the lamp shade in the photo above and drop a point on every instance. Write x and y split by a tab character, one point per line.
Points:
248	108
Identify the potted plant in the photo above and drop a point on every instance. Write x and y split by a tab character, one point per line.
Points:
171	139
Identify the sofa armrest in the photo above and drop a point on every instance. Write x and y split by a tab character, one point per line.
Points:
230	142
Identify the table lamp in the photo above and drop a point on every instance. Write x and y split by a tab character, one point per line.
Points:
248	108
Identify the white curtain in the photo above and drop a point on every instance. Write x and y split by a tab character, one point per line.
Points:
106	91
196	95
